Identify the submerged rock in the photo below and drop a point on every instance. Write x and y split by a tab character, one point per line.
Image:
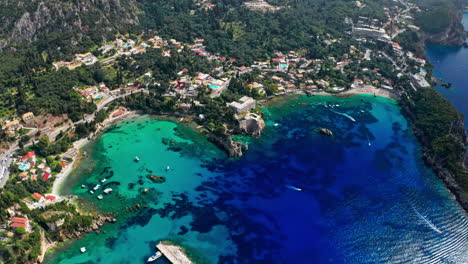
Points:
156	178
325	131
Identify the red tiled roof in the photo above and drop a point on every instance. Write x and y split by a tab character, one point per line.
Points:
29	155
37	196
46	176
19	220
71	135
119	112
18	225
50	197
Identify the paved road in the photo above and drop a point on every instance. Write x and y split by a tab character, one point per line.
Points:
5	158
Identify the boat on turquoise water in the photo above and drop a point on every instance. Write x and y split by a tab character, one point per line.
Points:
91	192
108	190
154	257
104	180
293	188
97	187
137	159
100	197
83	186
168	168
83	250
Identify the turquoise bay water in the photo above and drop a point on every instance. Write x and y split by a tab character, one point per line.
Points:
451	65
361	196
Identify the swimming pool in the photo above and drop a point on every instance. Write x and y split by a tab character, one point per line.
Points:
213	86
98	96
24	167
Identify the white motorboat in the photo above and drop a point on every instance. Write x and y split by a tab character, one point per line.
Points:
154	257
83	250
108	190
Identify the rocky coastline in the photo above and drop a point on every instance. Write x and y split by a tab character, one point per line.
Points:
430	160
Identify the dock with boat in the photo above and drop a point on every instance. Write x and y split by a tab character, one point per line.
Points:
173	253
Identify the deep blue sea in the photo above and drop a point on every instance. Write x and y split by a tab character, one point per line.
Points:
360	196
451	65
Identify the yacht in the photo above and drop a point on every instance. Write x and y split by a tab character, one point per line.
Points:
155	256
100	197
104	180
96	187
137	159
108	190
83	250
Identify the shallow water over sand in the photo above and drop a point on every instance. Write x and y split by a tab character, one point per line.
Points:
361	196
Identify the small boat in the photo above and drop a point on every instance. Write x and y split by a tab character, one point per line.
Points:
137	159
108	190
276	124
100	197
294	188
168	168
154	257
83	186
83	250
91	192
96	187
104	180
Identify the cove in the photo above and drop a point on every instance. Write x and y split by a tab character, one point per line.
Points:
296	196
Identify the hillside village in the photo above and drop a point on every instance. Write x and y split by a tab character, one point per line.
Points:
374	63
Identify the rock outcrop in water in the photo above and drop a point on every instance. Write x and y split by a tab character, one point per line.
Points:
325	131
251	124
233	148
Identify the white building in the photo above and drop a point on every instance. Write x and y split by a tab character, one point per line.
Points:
245	104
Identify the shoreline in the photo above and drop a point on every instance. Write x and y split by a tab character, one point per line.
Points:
63	175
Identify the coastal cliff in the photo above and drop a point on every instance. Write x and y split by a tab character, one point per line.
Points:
233	148
453	35
251	124
443	139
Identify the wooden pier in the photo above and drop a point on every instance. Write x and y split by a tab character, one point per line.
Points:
173	253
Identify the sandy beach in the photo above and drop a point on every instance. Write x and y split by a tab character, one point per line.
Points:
62	176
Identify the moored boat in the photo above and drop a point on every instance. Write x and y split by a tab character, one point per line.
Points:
108	190
154	257
100	197
83	250
137	159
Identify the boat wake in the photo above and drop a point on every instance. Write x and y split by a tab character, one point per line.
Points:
368	140
293	188
431	225
345	115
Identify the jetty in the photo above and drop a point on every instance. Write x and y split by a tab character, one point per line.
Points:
173	253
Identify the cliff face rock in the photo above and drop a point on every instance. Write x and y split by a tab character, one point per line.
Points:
453	35
28	20
251	124
233	148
